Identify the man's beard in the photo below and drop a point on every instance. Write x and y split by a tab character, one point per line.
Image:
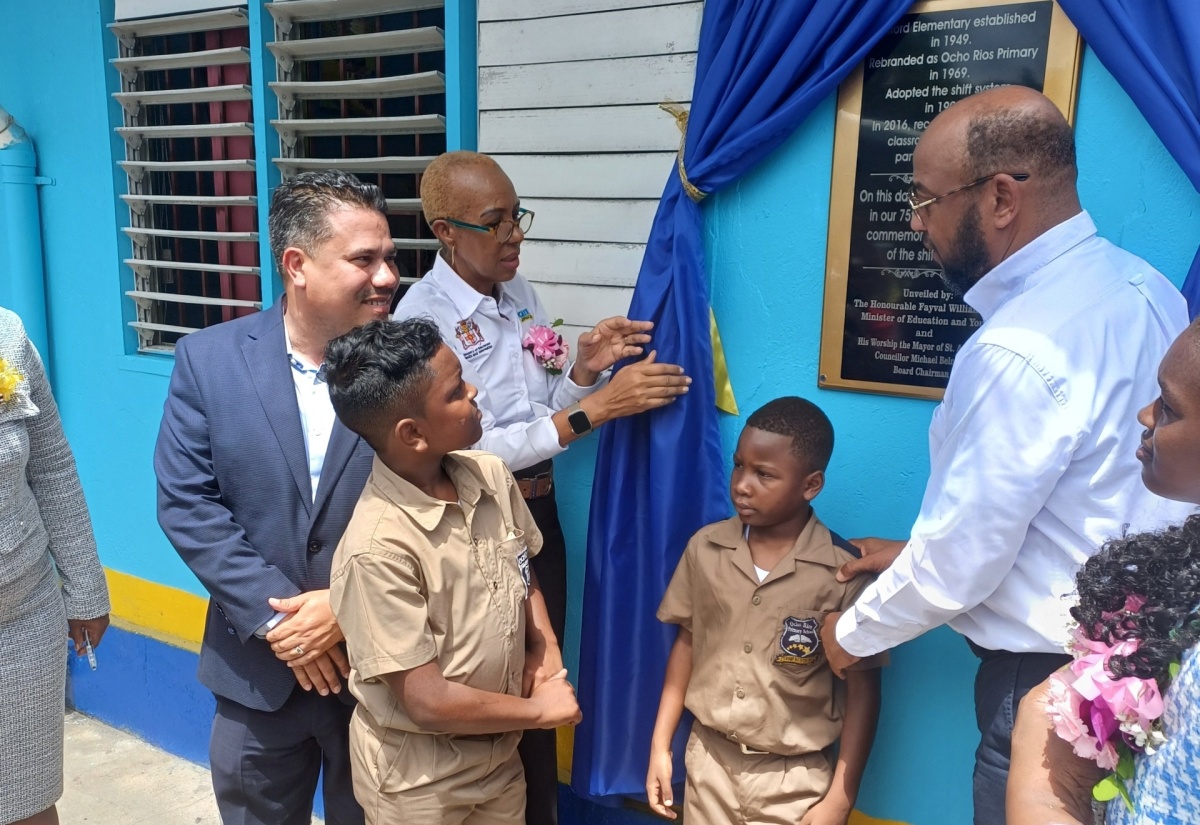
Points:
968	261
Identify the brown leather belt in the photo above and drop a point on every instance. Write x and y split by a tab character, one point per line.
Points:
538	486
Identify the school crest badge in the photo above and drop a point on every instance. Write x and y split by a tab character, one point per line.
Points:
468	334
800	641
524	315
523	566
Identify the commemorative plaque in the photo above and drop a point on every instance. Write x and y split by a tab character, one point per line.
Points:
890	324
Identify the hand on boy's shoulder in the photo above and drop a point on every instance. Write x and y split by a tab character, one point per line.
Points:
877	556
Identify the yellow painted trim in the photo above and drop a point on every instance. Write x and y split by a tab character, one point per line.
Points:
566	753
857	817
165	613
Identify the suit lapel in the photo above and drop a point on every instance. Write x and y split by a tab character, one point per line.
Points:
342	444
265	353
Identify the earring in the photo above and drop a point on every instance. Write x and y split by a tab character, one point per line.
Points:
452	257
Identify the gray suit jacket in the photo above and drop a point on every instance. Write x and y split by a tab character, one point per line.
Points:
42	509
235	500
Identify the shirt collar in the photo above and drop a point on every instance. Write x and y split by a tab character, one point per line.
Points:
466	299
299	363
1013	275
814	544
422	508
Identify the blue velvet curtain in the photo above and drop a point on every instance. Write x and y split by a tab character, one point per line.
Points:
763	65
1152	48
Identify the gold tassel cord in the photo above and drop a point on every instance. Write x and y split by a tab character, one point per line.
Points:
681	120
724	387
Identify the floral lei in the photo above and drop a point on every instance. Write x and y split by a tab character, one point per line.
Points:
1104	718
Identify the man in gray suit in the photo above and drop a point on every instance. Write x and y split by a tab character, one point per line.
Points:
256	482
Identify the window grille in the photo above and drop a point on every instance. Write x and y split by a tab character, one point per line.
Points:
189	158
361	87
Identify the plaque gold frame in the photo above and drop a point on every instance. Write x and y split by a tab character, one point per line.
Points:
1061	85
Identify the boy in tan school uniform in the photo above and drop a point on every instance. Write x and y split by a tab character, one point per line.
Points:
749	595
449	641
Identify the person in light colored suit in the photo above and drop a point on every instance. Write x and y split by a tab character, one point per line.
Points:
256	483
45	534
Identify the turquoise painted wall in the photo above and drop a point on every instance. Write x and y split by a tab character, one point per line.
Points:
55	80
766	239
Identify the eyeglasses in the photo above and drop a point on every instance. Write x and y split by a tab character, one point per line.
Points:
921	204
502	230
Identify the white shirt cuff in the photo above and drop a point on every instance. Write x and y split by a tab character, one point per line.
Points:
577	392
543	438
269	625
853	638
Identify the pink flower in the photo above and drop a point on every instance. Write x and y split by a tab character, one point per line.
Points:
1080	643
547	347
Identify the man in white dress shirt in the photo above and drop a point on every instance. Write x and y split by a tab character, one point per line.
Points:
1032	460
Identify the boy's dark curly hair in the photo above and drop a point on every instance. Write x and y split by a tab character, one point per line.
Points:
1164	568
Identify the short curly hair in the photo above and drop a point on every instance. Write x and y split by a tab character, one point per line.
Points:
379	373
803	422
1163	567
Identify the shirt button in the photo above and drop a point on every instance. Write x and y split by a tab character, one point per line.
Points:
757	600
748	647
314	546
741	694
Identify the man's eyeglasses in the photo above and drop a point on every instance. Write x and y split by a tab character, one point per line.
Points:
502	230
921	204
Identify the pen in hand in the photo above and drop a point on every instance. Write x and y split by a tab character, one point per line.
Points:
87	647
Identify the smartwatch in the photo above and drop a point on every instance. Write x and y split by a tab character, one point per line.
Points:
578	419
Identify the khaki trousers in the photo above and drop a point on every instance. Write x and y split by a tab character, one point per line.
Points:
725	785
479	795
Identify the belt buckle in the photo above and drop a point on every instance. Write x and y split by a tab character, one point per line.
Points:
749	751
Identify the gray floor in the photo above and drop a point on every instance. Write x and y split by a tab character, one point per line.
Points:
113	778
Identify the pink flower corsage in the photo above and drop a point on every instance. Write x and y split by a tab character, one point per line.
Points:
547	346
1104	718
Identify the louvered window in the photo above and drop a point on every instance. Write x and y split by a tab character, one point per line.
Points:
189	157
361	87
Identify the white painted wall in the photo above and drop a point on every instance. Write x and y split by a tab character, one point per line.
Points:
568	104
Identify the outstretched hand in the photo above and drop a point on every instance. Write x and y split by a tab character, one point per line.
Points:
644	385
609	341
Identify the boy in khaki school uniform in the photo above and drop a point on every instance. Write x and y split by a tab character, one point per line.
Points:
449	641
749	595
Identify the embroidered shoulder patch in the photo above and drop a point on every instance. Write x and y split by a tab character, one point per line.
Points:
523	566
800	641
470	338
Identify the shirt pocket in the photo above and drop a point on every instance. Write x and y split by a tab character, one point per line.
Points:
514	581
